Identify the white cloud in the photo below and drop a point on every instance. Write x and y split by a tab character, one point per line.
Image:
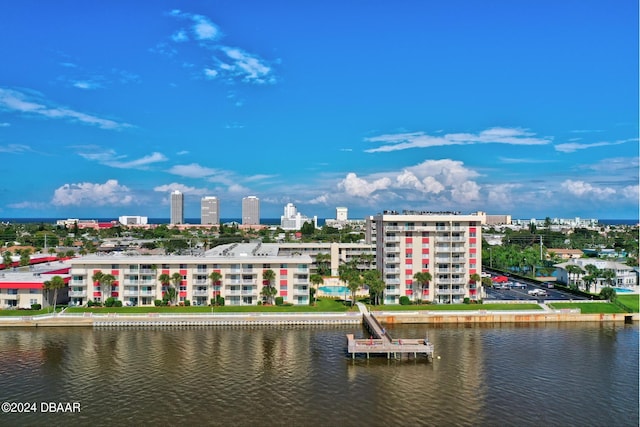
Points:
359	187
16	101
14	148
180	36
582	188
5	125
201	27
247	66
168	188
92	194
87	85
631	192
404	141
236	63
112	159
570	147
193	170
210	73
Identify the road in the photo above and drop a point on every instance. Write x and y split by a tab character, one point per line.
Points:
522	293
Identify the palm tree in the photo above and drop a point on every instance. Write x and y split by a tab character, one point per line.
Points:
106	282
575	271
316	280
592	277
421	278
164	280
376	285
351	277
323	264
54	284
176	279
215	281
269	291
609	276
6	259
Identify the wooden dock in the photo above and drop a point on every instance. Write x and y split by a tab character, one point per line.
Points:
381	342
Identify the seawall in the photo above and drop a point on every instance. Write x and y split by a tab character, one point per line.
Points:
275	319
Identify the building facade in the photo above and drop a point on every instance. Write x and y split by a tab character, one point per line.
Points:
625	278
210	211
133	220
293	220
448	245
177	208
22	289
241	267
250	210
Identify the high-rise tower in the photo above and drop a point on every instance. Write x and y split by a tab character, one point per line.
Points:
250	210
210	210
177	208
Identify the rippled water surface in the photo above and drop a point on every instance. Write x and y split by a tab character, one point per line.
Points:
555	374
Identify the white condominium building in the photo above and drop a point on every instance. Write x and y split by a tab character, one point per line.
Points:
241	267
251	211
177	208
448	245
210	211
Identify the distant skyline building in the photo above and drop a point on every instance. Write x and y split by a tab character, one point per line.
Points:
250	210
133	220
342	214
293	220
177	208
210	211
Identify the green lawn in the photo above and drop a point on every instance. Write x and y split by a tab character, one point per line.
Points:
589	308
25	312
631	301
456	307
323	305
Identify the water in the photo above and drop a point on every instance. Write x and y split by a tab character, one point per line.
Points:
334	290
519	375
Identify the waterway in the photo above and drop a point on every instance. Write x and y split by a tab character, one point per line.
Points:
558	374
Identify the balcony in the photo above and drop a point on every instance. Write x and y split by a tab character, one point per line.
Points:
130	293
450	291
392	239
392	281
200	293
249	292
77	293
147	293
200	282
391	292
391	249
78	283
302	290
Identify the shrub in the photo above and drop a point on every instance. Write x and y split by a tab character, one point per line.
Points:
213	301
187	303
157	302
608	293
404	300
279	300
259	302
36	306
466	300
109	302
220	300
117	303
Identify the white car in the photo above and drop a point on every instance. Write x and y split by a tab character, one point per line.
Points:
538	293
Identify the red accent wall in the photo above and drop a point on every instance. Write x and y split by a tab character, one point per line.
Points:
283	293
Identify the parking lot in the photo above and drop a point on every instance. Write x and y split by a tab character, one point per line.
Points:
519	290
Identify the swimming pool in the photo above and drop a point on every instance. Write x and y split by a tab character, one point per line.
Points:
334	290
623	291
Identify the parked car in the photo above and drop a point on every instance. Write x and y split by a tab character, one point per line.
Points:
548	285
517	285
538	293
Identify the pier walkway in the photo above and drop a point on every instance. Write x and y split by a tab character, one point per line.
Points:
381	342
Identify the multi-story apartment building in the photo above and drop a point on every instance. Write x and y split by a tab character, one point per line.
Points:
177	208
21	289
339	253
241	267
210	211
250	210
448	245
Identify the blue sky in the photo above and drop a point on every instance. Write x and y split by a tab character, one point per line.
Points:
528	108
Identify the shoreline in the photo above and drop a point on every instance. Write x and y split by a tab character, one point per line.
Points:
275	319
